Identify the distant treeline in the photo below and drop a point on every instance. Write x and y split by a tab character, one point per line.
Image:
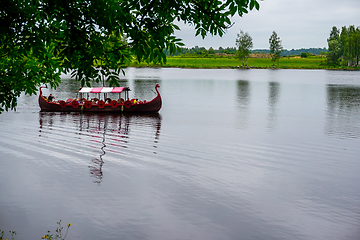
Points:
203	52
293	52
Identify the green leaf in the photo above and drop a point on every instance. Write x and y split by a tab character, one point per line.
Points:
252	4
257	5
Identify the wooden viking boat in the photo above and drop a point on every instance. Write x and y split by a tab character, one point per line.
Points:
99	105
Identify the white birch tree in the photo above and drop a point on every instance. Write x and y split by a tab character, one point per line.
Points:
244	45
275	47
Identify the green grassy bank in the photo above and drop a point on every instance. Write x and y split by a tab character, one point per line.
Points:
231	62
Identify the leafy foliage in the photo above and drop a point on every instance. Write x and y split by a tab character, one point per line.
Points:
59	232
58	235
334	52
40	40
244	44
304	55
345	44
334	34
12	233
275	47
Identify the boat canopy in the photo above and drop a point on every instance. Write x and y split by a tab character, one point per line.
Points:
101	90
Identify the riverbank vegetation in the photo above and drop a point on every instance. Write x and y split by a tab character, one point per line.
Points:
203	52
59	233
343	53
255	61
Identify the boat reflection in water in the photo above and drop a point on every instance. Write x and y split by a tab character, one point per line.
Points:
96	135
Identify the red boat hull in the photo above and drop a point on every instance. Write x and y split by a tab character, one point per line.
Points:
61	106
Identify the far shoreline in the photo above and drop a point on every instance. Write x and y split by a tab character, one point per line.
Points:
312	63
245	68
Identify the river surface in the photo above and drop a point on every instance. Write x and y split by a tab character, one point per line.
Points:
233	154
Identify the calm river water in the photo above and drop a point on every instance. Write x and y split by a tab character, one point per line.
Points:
233	154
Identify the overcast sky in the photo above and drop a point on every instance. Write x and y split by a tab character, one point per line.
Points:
298	23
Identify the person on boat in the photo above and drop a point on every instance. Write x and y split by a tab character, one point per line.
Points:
135	100
51	98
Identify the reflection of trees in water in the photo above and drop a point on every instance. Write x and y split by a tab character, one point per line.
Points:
243	93
274	89
343	111
243	101
104	132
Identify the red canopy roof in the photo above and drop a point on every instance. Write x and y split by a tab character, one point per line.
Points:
101	90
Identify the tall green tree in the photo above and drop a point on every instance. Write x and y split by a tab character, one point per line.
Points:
343	40
357	45
334	52
353	45
40	40
244	45
334	34
211	51
275	47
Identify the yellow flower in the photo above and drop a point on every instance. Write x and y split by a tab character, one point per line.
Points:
69	224
45	236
